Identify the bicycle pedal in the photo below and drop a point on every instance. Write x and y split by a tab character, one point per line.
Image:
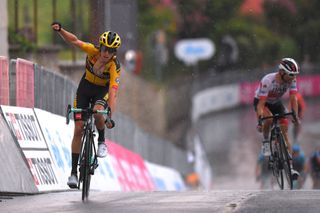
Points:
96	166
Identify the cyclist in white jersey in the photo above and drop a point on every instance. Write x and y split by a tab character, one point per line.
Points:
267	101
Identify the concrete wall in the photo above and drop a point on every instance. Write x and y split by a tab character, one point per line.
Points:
3	28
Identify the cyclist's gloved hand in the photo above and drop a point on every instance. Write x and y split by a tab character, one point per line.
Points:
56	26
109	122
296	121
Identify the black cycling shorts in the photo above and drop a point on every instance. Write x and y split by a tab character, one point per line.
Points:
275	108
89	93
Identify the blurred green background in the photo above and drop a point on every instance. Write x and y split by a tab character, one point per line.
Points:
263	33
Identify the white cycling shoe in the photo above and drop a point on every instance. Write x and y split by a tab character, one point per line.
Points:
73	181
102	150
266	148
295	174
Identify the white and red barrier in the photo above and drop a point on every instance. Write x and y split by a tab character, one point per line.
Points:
165	178
45	142
130	169
24	83
27	131
4	81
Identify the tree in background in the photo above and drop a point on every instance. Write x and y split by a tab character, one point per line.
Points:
157	19
307	29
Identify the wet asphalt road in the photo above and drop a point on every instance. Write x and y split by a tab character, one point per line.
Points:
149	202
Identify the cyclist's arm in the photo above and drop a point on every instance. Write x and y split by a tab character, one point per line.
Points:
69	37
293	96
294	102
260	106
263	95
301	105
114	84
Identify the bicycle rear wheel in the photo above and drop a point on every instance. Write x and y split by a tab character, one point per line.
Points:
277	163
285	160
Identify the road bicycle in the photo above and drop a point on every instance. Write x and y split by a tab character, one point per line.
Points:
88	161
279	160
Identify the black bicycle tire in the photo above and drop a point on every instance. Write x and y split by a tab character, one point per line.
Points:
81	160
280	178
286	161
90	144
85	167
276	166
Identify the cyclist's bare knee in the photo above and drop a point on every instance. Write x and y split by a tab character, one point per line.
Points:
99	122
99	119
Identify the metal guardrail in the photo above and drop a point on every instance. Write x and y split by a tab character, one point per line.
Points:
53	92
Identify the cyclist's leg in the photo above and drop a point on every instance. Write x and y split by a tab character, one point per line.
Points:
279	108
265	128
267	123
76	144
81	101
284	123
284	128
297	129
100	103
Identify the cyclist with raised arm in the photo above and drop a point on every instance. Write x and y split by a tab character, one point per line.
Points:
99	85
267	102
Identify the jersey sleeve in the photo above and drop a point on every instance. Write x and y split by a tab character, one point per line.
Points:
89	48
264	89
115	74
293	87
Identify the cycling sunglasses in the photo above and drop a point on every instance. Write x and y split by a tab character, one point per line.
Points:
291	75
107	49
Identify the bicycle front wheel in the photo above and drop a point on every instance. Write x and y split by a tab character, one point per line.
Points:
285	160
86	167
277	163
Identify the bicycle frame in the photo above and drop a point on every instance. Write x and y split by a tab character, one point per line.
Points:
88	161
85	159
280	158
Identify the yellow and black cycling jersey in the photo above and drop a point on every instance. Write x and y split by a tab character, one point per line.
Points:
111	73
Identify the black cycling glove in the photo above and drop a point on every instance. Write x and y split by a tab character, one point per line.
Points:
58	23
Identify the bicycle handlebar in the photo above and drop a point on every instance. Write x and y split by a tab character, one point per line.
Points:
107	112
277	116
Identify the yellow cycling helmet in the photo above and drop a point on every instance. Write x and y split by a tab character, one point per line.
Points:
110	39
